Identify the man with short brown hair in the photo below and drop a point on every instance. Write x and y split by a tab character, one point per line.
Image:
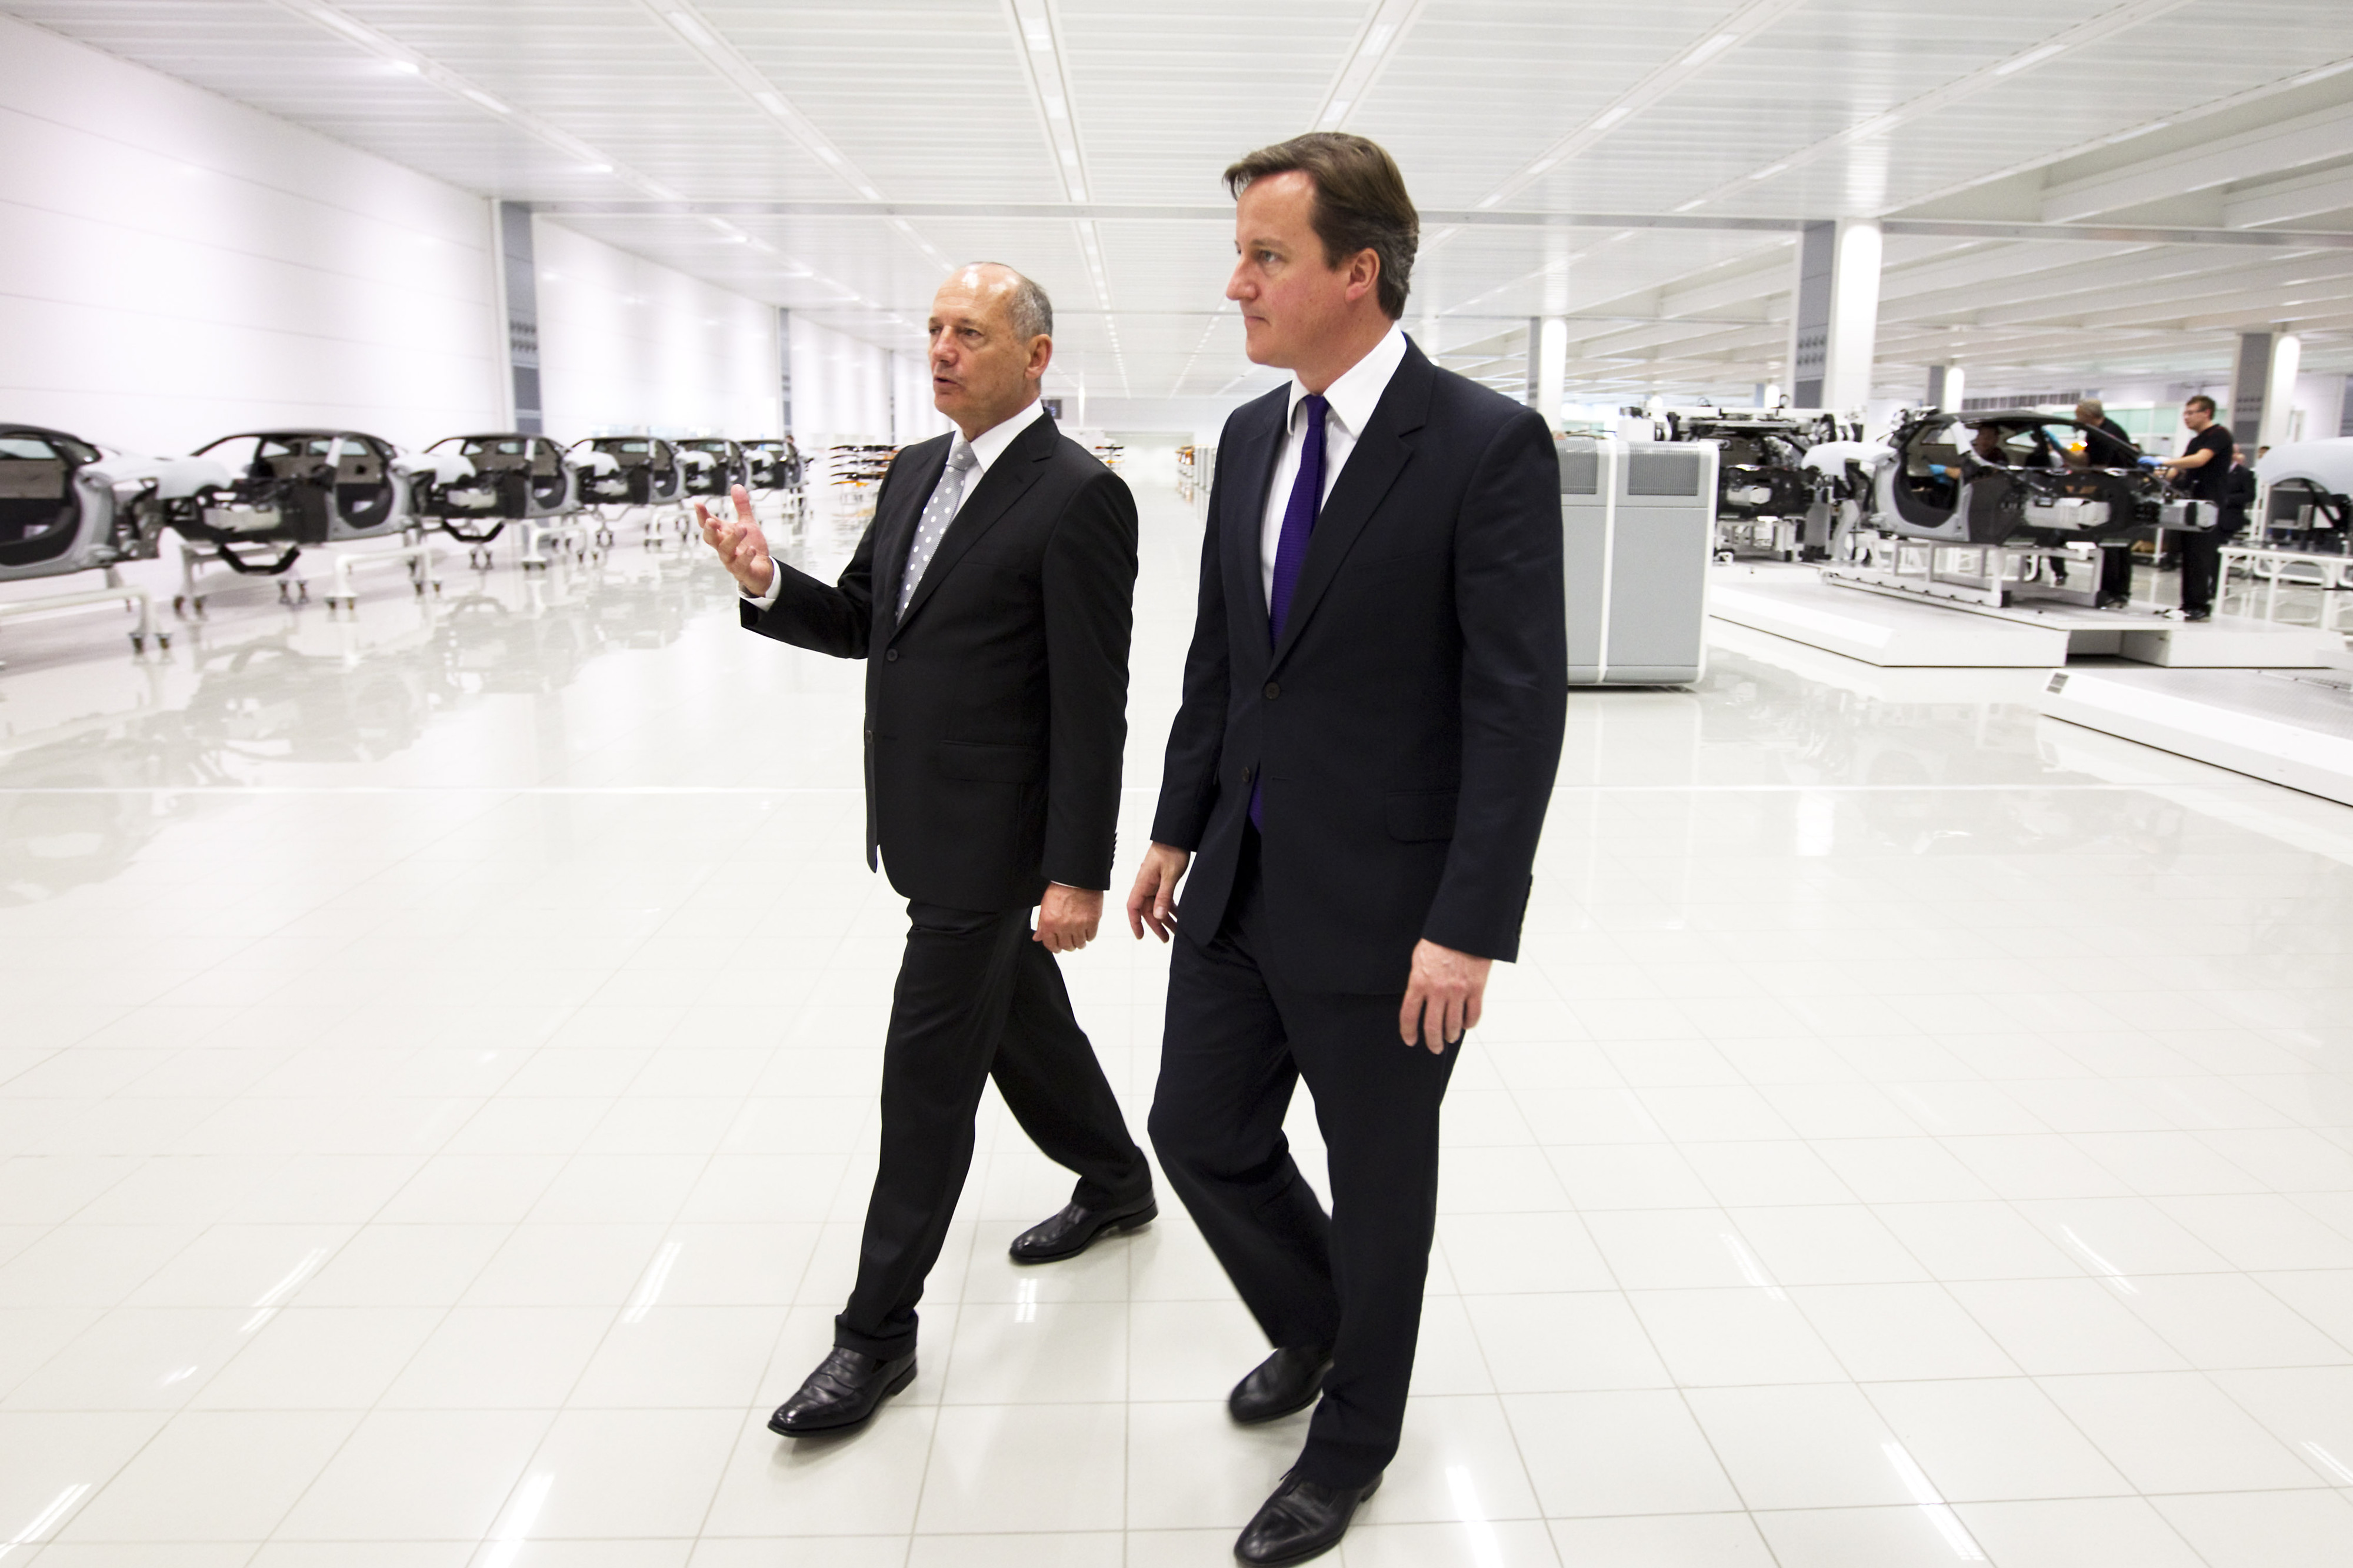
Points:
1372	716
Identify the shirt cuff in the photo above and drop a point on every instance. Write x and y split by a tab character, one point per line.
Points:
775	587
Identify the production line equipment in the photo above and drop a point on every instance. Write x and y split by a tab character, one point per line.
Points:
281	491
510	477
1768	504
1989	509
643	473
1638	531
69	506
2307	495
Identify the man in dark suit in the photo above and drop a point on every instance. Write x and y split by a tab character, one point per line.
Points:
992	600
1371	721
2107	445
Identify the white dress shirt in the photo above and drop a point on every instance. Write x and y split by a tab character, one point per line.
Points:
1353	398
986	448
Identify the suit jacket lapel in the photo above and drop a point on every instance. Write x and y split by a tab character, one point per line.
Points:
1380	455
1007	478
894	534
1243	543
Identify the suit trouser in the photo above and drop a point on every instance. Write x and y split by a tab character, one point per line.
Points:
1238	1040
977	999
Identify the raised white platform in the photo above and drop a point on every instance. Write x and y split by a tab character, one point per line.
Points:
1893	628
2291	728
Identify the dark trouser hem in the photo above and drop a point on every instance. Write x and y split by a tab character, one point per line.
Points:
977	999
890	1347
2202	567
1238	1042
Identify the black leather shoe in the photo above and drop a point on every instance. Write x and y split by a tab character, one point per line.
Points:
1074	1230
847	1387
1286	1380
1301	1521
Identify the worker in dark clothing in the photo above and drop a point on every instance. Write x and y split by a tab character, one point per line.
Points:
2238	495
2203	472
2106	446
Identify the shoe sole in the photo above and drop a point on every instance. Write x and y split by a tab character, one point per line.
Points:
898	1382
1116	1228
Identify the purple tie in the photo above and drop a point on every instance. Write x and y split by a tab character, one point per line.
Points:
1291	546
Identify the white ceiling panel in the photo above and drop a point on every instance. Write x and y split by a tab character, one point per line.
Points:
1078	111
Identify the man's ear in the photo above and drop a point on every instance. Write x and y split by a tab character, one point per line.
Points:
1041	354
1364	273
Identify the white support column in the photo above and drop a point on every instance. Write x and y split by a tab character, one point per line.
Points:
2279	397
1854	338
1552	373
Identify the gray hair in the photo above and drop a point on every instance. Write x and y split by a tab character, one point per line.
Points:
2092	407
1031	314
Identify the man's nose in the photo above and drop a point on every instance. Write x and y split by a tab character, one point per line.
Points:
1237	288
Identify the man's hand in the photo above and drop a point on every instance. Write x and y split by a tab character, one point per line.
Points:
1443	997
743	547
1153	902
1067	918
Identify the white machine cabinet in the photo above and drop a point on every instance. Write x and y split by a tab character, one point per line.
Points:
1638	523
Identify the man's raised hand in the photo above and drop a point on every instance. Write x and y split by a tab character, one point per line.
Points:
743	547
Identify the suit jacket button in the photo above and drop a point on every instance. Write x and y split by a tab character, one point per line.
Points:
892	656
1246	775
1273	690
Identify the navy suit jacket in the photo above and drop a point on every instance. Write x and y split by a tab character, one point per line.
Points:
1405	732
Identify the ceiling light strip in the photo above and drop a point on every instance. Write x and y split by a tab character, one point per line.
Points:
1375	45
698	33
1741	27
400	55
2099	28
1039	46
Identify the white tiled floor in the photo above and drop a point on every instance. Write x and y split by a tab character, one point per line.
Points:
1917	1133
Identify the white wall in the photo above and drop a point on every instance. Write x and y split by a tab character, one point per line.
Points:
174	267
626	346
842	387
914	416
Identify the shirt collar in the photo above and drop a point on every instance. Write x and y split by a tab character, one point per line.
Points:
991	444
1358	391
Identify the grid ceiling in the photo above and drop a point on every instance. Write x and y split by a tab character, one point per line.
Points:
1783	108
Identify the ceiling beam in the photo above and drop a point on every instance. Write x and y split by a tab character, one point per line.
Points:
1107	212
2291	144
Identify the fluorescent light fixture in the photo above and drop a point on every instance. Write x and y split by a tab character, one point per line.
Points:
1687	206
408	68
346	27
1055	108
772	102
1070	158
1611	116
1041	37
1770	170
487	102
1489	201
596	168
1078	192
1710	48
2031	57
1874	125
1339	108
828	155
695	32
1378	38
1541	164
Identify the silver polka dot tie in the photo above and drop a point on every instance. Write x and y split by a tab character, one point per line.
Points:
938	513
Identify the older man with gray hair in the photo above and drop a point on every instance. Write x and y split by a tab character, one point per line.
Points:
992	600
2107	445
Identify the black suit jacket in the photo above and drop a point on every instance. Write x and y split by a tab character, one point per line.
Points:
1405	732
997	710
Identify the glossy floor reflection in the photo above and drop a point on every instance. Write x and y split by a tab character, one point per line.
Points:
436	1095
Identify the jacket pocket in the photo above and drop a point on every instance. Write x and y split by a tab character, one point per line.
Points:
1416	818
991	765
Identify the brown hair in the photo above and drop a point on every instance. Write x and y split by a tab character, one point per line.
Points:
2200	401
1360	203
